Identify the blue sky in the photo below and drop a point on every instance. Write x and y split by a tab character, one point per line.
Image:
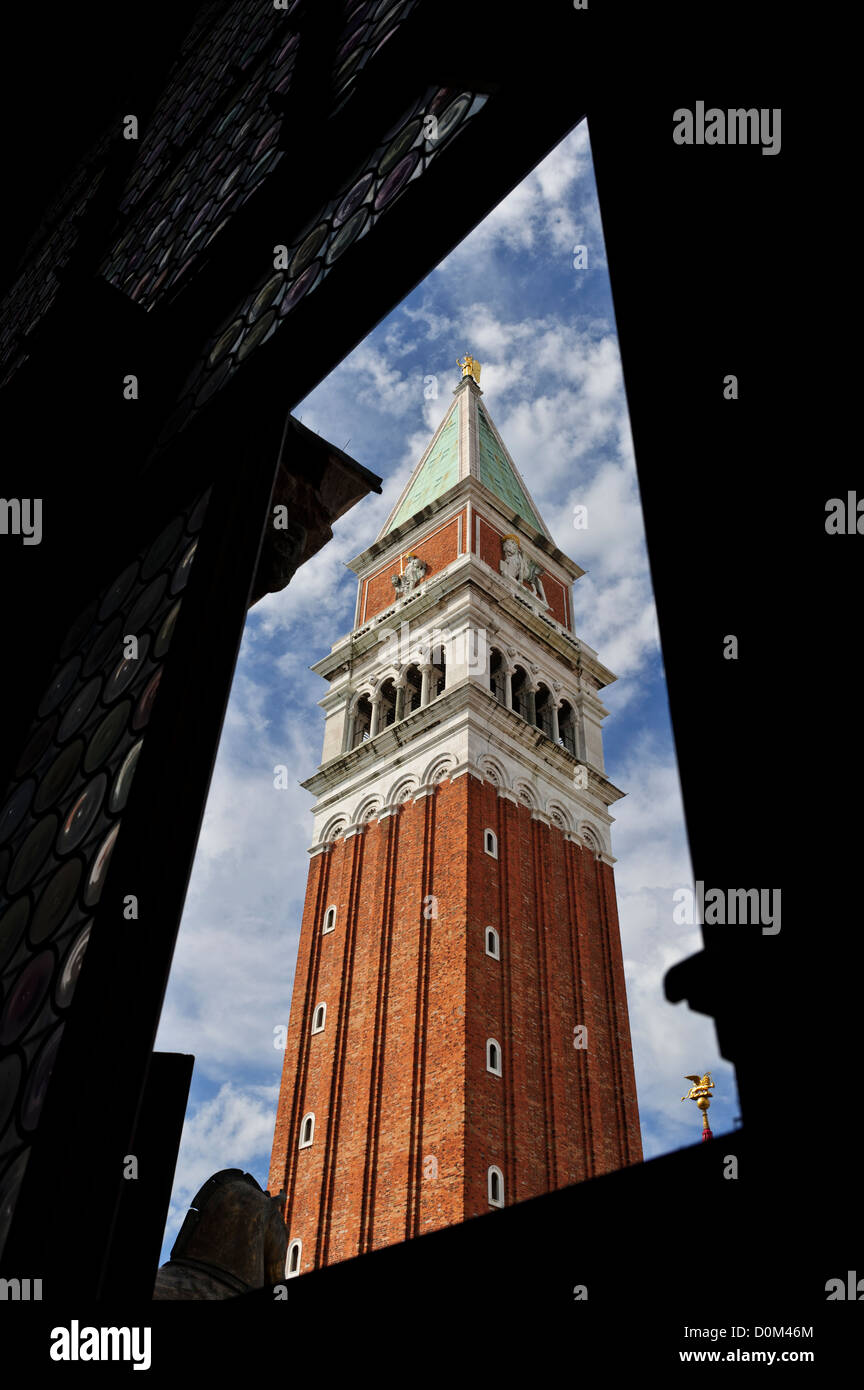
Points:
544	332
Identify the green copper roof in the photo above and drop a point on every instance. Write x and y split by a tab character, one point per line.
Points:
488	461
497	475
439	472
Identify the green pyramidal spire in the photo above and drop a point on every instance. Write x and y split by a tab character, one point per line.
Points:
465	444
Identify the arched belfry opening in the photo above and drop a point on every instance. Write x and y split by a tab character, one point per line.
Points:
522	695
413	685
497	676
567	728
362	721
438	673
544	710
386	704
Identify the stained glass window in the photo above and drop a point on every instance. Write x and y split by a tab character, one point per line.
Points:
34	290
215	136
402	156
61	815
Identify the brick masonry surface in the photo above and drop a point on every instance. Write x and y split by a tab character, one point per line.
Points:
439	550
490	550
407	1117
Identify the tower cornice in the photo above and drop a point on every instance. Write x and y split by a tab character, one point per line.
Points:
469	575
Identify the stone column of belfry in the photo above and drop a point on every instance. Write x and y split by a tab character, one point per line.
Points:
376	714
460	922
555	732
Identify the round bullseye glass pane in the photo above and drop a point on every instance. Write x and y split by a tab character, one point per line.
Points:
162	548
57	898
96	879
400	146
301	286
451	117
145	705
257	333
59	775
226	340
26	997
396	180
10	1185
166	632
351	230
265	296
59	687
216	378
12	924
79	708
11	1072
308	249
79	629
82	814
109	641
40	1075
106	736
71	969
125	671
36	745
32	854
180	579
118	591
146	605
16	808
123	780
353	199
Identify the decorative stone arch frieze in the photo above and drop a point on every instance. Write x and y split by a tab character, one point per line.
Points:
439	769
335	829
559	815
493	771
367	810
591	838
402	791
525	793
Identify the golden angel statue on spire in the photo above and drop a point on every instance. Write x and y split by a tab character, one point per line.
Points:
470	367
701	1086
700	1091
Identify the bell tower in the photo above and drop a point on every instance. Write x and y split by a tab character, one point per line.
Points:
459	1037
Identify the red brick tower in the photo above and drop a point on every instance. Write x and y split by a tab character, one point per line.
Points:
459	1037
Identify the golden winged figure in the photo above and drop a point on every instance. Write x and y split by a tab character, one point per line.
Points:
701	1086
470	367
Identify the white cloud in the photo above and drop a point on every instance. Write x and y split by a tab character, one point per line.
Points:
538	216
232	1130
668	1041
